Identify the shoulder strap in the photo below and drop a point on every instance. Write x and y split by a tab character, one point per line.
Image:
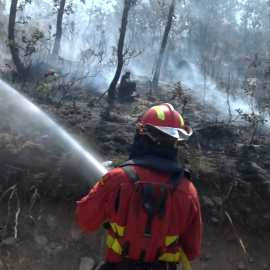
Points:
175	180
131	173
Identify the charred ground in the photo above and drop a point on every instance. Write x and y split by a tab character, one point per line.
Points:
41	179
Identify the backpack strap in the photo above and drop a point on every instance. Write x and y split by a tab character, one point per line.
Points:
134	178
131	173
175	180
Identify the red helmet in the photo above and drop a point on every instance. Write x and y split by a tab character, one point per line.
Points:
164	123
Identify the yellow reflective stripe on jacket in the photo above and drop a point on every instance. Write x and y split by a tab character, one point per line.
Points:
171	239
170	257
160	112
120	230
178	256
101	181
114	244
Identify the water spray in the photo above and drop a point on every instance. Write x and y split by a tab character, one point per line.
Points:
26	107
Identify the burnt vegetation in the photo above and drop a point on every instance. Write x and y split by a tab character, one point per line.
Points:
210	59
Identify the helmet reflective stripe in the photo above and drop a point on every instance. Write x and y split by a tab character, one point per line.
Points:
167	120
181	120
160	112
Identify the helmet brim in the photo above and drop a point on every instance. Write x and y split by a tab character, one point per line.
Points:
157	132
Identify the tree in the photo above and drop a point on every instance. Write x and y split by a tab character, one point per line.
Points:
58	34
14	50
162	47
120	57
268	28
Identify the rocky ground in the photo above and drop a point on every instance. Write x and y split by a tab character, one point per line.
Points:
44	171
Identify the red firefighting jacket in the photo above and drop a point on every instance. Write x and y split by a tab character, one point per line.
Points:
185	221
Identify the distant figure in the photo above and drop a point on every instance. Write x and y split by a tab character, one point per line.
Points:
125	77
126	87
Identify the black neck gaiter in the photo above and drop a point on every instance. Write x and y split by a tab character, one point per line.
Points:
144	145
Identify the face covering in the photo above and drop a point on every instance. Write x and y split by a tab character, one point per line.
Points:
144	145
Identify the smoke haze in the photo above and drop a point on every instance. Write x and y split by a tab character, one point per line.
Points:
206	47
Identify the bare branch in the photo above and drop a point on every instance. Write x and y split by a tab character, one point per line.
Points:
17	216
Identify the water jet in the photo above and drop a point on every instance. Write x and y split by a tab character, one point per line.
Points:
28	127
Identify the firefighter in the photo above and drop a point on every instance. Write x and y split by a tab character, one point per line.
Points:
177	233
126	87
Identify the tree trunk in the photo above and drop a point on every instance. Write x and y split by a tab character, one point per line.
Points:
11	37
120	57
58	35
268	28
162	48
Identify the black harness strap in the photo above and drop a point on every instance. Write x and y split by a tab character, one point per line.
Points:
157	261
163	202
131	173
125	250
142	255
133	176
147	233
172	181
175	180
